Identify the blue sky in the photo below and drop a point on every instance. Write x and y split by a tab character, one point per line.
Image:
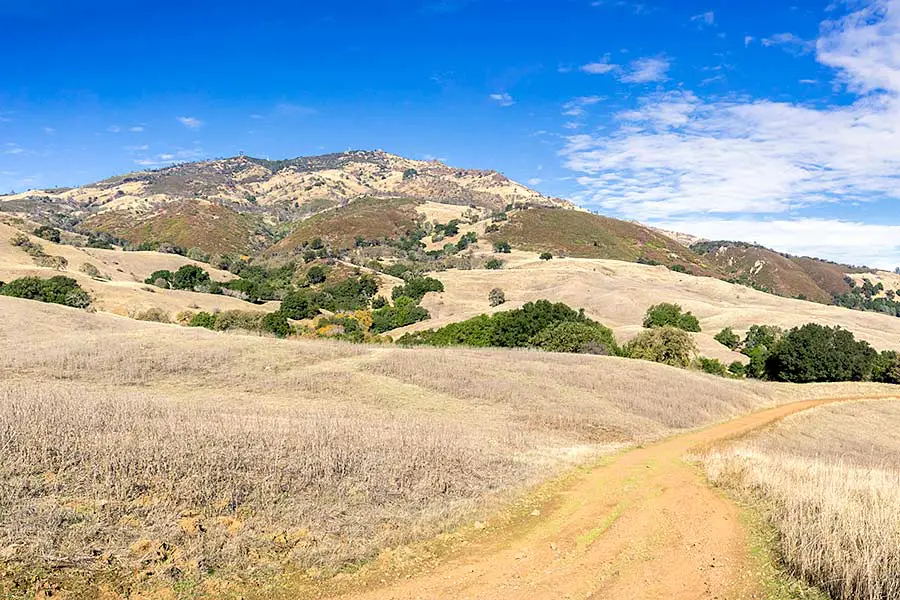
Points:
774	122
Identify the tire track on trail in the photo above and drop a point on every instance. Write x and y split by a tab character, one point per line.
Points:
644	525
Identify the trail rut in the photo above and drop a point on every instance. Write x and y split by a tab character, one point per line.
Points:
643	526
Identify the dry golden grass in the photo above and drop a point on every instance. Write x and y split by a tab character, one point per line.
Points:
829	480
157	454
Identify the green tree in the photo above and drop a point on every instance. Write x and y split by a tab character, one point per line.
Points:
189	277
575	337
277	323
417	287
203	319
502	247
546	256
405	311
887	367
670	315
728	338
316	274
51	234
56	290
738	369
713	366
299	305
494	264
666	345
816	353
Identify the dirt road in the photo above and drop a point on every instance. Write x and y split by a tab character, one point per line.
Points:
645	525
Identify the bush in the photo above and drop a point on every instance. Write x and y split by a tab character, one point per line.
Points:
887	368
298	306
666	345
713	366
569	336
379	302
546	256
728	338
56	290
816	353
203	319
496	297
405	311
502	247
157	277
316	274
91	271
494	264
276	323
51	234
238	319
417	287
738	369
154	315
198	255
516	328
189	277
670	315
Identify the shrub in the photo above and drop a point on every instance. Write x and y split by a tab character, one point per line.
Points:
189	277
203	319
51	234
198	255
678	268
670	315
238	319
298	306
666	345
276	323
713	366
56	290
417	287
494	264
316	274
728	338
738	369
569	336
816	353
157	277
58	263
546	256
496	297
379	302
353	293
887	368
405	311
91	271
154	315
502	247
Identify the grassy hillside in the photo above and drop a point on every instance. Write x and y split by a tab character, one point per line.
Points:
277	457
372	219
781	274
586	235
213	228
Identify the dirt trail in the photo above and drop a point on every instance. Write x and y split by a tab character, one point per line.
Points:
644	525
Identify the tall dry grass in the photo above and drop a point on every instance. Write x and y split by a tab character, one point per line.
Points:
158	452
829	481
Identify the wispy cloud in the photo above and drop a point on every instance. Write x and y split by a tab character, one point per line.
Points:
647	70
113	129
291	109
503	99
13	148
136	129
748	39
601	67
190	122
576	107
790	43
681	157
707	19
49	130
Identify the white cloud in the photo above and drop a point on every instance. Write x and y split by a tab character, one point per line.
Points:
190	122
844	241
166	156
113	129
790	42
535	181
136	129
681	156
576	106
599	68
748	39
706	19
503	99
49	130
647	70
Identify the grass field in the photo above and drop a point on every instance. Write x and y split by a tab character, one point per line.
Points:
150	455
829	481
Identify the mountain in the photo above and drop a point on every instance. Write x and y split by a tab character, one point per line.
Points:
781	274
245	204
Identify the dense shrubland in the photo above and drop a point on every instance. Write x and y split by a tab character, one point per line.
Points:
56	290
